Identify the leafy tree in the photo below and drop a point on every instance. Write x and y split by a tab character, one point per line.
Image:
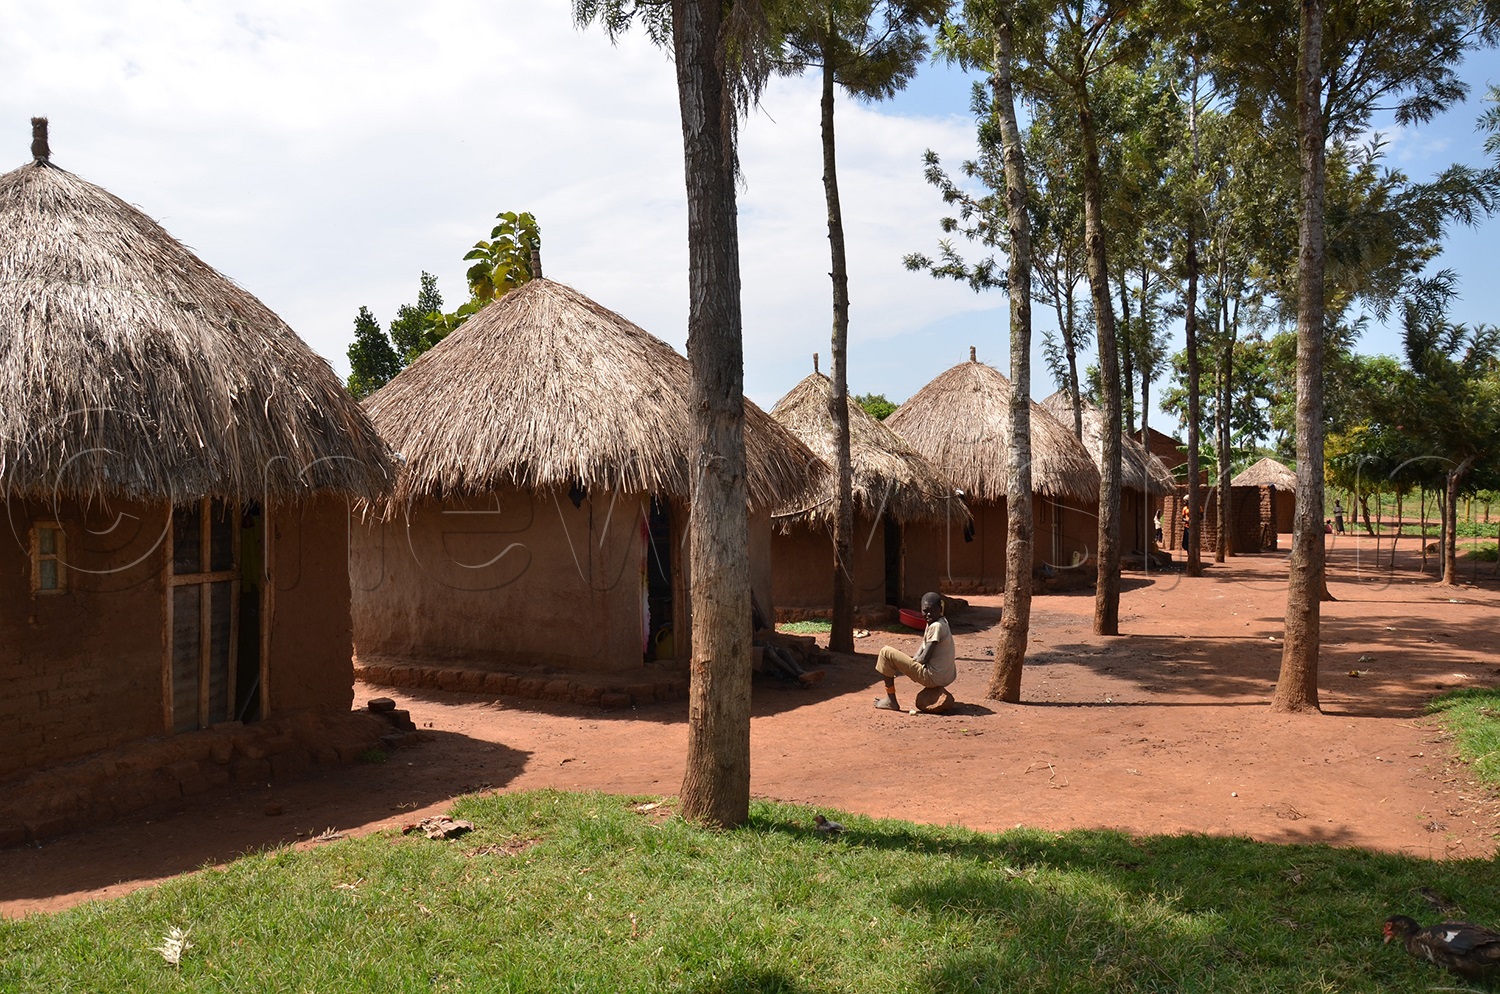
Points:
1191	274
1058	252
500	265
1352	60
1068	59
986	39
1453	402
718	47
507	259
413	328
1015	624
1143	114
1362	455
876	405
375	358
371	359
870	48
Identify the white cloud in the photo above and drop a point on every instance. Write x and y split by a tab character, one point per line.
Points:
324	154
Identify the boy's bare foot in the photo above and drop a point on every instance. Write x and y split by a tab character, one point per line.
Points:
811	678
887	704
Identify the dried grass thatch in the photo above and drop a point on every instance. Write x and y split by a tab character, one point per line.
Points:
129	367
1139	469
545	389
890	477
1267	472
961	421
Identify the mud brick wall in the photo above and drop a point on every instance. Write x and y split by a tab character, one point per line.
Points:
1268	524
80	670
1251	516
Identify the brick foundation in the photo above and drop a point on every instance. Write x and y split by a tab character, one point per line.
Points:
605	690
158	773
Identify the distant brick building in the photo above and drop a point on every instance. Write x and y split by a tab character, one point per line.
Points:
1169	450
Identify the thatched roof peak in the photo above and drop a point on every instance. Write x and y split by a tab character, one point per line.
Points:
130	367
890	477
1267	472
1139	469
545	388
961	422
41	151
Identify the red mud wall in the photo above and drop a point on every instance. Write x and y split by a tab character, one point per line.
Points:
802	565
515	579
311	632
81	670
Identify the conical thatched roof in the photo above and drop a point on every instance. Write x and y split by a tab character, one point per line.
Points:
1139	469
130	367
545	388
961	421
1267	472
889	476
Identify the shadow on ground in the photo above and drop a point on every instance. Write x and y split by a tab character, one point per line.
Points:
214	828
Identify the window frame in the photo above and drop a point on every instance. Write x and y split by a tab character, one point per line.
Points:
57	556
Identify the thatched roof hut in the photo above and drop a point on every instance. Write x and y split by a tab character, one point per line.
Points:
890	477
172	456
1140	470
1267	472
130	367
547	389
961	422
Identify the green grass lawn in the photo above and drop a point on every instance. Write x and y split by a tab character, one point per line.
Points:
562	892
1473	716
812	626
1485	552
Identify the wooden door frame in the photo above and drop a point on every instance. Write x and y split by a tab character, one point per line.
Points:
205	579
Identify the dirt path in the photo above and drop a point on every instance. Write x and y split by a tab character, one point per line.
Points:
1165	729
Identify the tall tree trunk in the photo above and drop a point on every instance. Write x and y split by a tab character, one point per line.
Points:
1423	532
1134	336
1015	619
716	784
1190	334
1148	529
1297	686
1450	534
1400	524
1070	348
841	637
1128	336
1107	587
1226	511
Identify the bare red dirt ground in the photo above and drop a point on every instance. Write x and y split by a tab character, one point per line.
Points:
1165	729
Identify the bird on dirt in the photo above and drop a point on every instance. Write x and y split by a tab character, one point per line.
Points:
1471	951
827	827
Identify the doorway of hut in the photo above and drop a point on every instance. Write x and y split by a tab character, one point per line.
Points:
660	641
892	563
252	567
206	627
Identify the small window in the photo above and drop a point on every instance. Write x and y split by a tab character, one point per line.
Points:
48	572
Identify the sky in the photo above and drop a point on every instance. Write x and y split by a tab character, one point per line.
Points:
324	155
